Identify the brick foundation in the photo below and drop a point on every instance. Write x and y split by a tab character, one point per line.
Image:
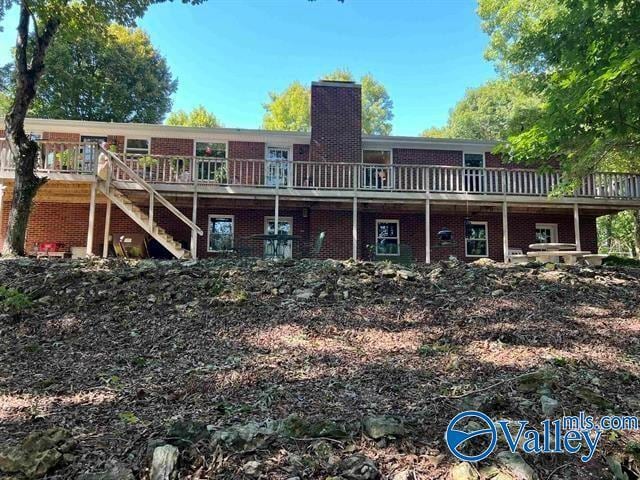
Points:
68	223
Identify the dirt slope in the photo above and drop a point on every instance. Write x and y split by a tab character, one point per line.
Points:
123	356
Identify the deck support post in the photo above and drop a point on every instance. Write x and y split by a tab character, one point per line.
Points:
505	233
92	220
576	225
194	234
107	228
427	229
354	229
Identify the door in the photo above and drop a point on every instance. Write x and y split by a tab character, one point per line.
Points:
474	172
284	250
376	169
89	149
277	167
546	233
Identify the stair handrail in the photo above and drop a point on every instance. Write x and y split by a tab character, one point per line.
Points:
152	191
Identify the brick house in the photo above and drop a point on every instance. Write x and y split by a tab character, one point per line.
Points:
203	192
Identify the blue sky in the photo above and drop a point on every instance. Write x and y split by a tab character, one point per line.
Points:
228	54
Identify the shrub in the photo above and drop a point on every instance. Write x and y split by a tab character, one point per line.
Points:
615	261
13	301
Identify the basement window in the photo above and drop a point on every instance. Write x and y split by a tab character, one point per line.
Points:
476	243
220	233
387	237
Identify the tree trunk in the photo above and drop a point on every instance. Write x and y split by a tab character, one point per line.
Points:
636	217
23	149
25	187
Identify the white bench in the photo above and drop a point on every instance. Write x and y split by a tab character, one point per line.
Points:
594	259
570	257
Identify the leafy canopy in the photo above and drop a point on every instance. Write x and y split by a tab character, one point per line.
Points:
112	76
198	117
490	112
290	109
584	57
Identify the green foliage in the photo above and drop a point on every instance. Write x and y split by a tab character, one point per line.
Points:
615	261
198	117
112	75
290	109
147	161
617	233
491	111
13	301
128	417
584	59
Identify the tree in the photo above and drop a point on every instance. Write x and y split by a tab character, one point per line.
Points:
490	112
39	23
290	109
198	117
584	58
111	76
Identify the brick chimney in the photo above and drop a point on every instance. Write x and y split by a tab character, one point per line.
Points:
336	122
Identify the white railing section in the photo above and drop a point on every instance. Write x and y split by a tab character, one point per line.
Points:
79	158
54	156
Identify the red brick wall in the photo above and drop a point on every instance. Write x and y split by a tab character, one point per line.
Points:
336	123
247	150
116	140
337	225
68	223
414	156
171	146
300	153
61	137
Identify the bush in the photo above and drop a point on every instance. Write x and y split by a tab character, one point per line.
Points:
615	261
13	301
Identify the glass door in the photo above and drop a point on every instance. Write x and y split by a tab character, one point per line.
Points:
277	167
474	172
278	249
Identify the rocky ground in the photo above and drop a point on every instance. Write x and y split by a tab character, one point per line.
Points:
240	368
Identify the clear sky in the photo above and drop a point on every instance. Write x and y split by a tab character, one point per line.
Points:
228	54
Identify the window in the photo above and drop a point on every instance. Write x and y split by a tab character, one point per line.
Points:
476	243
387	237
216	168
473	160
379	157
220	233
209	149
546	232
374	176
137	146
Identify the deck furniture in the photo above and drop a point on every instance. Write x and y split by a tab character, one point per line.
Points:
570	257
594	259
278	242
552	246
516	255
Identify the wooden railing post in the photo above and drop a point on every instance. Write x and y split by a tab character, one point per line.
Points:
151	196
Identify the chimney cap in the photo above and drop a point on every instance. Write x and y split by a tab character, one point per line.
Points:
336	83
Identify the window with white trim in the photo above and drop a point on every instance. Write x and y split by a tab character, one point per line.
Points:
473	160
137	146
476	242
211	149
220	233
211	160
387	237
546	233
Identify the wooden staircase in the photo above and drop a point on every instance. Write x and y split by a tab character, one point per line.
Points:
144	220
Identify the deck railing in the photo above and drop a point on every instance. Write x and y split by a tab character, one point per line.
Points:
55	156
79	158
